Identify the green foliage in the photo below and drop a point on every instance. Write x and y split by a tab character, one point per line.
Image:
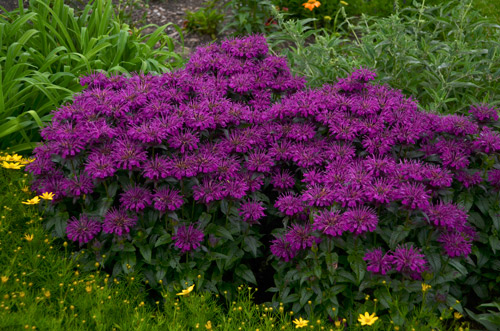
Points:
125	8
45	48
250	16
491	319
447	57
205	20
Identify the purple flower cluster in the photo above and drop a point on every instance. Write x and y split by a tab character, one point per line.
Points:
234	123
407	260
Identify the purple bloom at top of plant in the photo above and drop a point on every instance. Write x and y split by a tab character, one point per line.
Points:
413	195
484	113
282	249
186	140
78	185
155	167
100	166
360	219
437	176
235	187
377	261
457	125
380	190
447	215
487	142
468	178
456	243
259	161
249	47
289	204
118	221
363	74
209	190
136	198
252	211
409	260
301	236
283	179
330	223
318	195
167	199
82	229
128	154
494	178
187	238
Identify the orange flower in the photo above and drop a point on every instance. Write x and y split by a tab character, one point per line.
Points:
311	4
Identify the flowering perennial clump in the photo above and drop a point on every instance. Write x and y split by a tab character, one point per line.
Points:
234	131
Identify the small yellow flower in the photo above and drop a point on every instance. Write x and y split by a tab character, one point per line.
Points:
337	324
186	291
208	326
344	3
300	323
28	160
327	18
47	294
88	289
367	319
13	158
425	287
25	189
28	237
311	4
457	315
47	196
13	165
4	279
33	201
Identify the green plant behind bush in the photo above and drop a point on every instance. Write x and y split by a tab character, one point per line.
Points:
447	57
205	20
45	48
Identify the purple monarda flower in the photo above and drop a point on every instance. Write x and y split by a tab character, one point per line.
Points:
330	223
252	211
447	215
409	260
456	243
100	166
167	199
283	180
282	249
378	262
319	196
187	238
413	195
118	221
289	204
82	229
484	113
360	219
136	198
300	237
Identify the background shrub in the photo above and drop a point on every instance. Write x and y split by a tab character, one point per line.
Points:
445	56
45	48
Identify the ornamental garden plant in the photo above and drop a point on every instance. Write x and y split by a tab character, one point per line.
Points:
232	170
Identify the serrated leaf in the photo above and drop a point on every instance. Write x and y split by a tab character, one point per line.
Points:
223	232
146	252
245	273
164	239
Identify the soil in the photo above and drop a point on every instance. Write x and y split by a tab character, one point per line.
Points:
157	12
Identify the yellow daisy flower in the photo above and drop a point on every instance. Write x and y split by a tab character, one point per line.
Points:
300	323
186	291
14	158
47	196
33	201
13	165
29	237
367	319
